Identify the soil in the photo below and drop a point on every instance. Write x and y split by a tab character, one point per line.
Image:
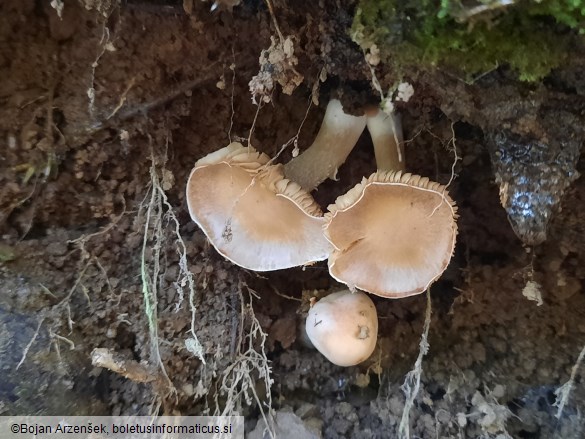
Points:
103	112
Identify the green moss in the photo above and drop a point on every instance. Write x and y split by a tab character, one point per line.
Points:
568	12
530	36
6	253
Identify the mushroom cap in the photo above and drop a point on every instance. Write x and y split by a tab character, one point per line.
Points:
251	214
393	234
344	327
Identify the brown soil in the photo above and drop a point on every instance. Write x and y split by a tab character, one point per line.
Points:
107	108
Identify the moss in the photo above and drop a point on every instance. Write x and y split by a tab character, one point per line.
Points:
530	36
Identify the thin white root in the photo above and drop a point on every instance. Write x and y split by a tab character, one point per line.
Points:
411	384
158	213
564	391
30	343
239	381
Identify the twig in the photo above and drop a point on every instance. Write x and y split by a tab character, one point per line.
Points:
278	293
130	369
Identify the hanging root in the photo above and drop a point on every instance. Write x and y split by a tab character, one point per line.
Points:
411	384
564	391
250	367
159	214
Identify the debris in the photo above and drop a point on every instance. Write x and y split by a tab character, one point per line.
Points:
58	6
532	292
277	64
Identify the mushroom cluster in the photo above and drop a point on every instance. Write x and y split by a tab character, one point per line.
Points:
392	235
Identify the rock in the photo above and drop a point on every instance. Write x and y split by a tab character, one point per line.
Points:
43	384
533	175
287	426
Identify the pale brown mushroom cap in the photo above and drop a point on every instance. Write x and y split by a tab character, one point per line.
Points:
393	234
251	214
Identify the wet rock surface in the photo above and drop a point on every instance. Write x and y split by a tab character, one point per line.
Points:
533	177
40	377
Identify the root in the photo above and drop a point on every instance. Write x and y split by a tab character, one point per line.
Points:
159	213
56	338
295	139
273	15
103	45
564	391
123	98
456	157
54	314
161	229
30	343
233	110
411	384
259	106
149	276
185	279
250	365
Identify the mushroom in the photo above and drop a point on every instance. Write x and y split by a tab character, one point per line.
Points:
336	138
344	327
394	233
252	214
279	226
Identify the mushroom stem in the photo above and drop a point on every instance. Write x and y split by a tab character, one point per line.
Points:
386	132
337	136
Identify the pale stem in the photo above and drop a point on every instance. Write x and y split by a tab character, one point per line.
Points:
337	136
386	132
